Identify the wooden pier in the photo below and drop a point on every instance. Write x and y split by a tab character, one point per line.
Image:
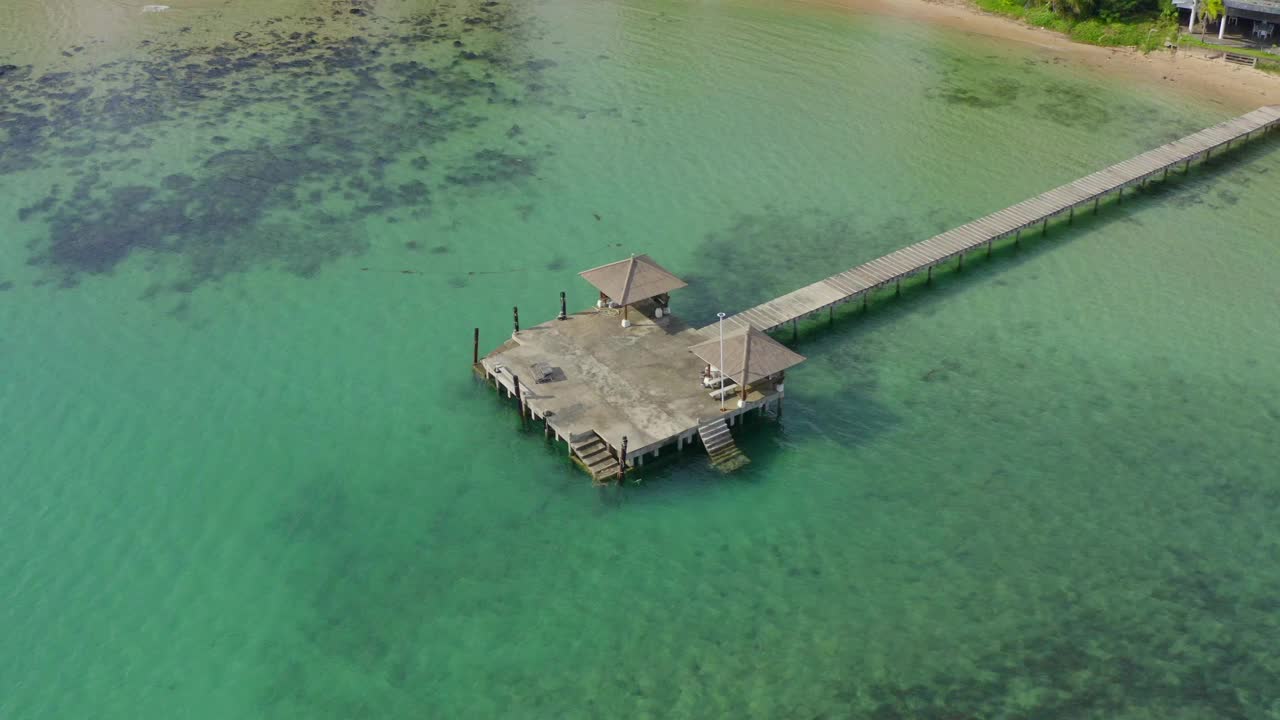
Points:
923	256
617	388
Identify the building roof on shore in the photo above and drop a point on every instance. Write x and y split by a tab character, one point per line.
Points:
749	355
632	280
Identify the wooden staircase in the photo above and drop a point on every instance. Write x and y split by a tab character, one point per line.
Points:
594	455
725	455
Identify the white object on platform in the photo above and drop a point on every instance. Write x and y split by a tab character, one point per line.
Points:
154	8
626	323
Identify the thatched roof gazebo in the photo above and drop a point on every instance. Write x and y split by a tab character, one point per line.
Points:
750	356
630	281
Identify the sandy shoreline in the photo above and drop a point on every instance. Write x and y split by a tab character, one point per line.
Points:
1233	87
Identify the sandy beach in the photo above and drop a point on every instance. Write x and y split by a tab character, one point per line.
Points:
1234	87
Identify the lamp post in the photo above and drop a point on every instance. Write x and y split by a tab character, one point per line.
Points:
721	316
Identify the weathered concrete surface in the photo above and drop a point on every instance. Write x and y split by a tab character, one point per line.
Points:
641	381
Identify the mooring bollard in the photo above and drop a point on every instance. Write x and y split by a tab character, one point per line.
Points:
564	315
515	318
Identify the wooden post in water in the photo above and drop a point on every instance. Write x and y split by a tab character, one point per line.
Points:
515	379
1017	239
475	348
622	461
865	294
1166	173
929	276
1120	196
1071	215
1095	204
564	315
515	319
1044	227
897	287
795	332
989	248
960	263
1186	167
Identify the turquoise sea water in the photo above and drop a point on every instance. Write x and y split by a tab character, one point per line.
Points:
248	474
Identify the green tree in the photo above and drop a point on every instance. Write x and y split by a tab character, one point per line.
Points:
1209	10
1072	8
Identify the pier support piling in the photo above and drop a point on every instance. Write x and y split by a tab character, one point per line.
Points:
564	314
475	348
515	319
515	380
1071	215
622	461
1095	204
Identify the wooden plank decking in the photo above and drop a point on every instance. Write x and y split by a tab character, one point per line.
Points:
916	258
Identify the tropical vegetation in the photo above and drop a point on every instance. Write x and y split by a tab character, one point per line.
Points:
1143	24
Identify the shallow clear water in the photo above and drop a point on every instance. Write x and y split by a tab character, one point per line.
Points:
247	472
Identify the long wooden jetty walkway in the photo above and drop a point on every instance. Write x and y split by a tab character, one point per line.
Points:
624	379
923	256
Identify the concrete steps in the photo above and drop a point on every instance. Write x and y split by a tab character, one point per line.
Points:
724	453
594	454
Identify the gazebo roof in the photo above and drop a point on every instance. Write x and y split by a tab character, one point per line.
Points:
632	280
749	355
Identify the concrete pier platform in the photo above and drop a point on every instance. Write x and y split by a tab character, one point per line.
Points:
639	382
